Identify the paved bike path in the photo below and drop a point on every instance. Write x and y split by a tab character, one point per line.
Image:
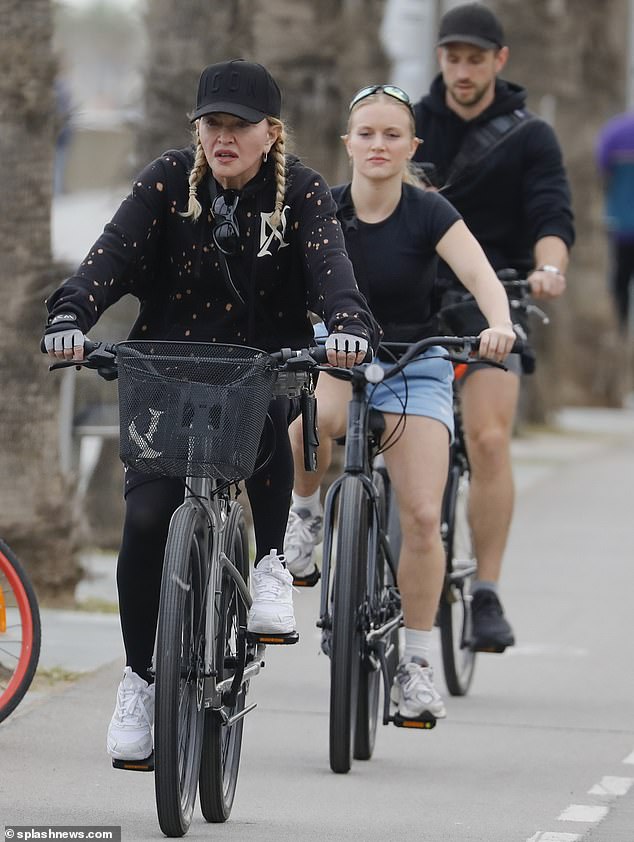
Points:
541	727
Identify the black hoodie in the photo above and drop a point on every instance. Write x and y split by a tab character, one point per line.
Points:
170	263
517	194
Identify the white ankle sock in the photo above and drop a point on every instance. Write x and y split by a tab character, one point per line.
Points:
312	503
417	643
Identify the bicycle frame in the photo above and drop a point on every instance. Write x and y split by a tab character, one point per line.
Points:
214	510
358	459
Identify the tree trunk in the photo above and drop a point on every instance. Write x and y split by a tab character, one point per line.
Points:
571	56
319	53
36	518
183	37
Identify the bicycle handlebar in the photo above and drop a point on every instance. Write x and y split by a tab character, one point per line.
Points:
102	357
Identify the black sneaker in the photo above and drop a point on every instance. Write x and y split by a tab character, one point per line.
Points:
491	631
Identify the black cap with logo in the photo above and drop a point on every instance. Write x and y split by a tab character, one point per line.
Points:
238	87
472	23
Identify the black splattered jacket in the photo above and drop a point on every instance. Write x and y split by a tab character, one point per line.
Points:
171	264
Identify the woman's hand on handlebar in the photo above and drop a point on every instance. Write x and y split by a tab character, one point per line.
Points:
345	350
496	342
63	340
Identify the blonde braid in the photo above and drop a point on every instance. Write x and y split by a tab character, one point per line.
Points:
277	151
194	208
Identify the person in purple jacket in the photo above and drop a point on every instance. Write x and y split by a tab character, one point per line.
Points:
615	160
231	241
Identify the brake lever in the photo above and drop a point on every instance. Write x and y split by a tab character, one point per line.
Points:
533	308
67	364
99	358
464	359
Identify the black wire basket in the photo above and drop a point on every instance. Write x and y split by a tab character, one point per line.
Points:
191	408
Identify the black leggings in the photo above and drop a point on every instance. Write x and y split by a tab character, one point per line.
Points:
150	504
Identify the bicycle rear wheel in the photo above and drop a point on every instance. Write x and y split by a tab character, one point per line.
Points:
20	632
454	616
179	711
222	742
370	672
346	644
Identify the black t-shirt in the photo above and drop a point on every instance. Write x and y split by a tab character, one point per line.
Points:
395	260
517	192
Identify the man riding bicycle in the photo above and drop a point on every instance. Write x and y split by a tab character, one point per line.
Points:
501	167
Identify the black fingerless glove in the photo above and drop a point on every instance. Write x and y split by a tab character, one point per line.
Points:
57	324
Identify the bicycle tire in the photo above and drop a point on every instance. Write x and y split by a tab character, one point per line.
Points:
20	631
346	647
179	711
222	744
454	617
367	718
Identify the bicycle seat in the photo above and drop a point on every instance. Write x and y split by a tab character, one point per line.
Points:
376	426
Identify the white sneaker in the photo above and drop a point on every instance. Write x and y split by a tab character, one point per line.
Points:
303	533
414	692
130	729
271	611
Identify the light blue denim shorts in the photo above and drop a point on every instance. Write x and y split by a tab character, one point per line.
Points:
429	390
425	388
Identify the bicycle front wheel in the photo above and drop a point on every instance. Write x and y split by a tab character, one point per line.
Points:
370	672
179	711
222	741
455	606
346	645
20	632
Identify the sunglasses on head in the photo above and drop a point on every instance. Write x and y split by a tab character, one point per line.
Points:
225	233
389	90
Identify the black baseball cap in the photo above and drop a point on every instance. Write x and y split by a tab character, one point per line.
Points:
473	24
240	88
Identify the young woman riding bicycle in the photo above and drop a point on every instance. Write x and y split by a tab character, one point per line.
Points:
394	231
226	242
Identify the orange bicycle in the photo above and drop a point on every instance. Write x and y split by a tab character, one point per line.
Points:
20	631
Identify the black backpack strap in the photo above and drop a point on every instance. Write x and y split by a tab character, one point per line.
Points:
482	139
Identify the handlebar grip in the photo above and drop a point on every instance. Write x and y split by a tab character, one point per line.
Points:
318	353
90	346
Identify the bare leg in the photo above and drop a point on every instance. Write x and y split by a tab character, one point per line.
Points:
489	401
332	408
417	465
304	528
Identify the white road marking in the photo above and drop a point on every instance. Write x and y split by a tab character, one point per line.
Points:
611	785
629	758
583	813
548	836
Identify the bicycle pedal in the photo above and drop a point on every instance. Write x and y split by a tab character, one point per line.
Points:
496	648
146	765
423	723
307	581
273	639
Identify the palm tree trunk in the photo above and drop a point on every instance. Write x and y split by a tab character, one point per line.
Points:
35	515
571	56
